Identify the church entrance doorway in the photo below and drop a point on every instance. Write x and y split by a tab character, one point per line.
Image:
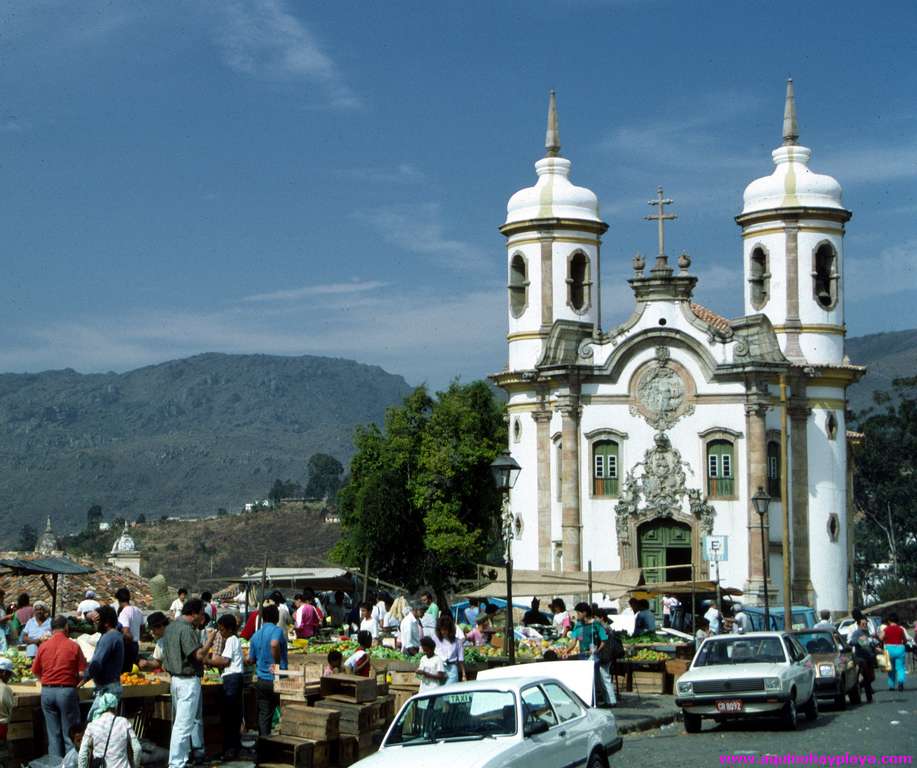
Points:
664	552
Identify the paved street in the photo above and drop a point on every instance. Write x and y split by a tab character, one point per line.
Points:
888	726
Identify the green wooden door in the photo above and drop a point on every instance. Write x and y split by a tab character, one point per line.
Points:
656	538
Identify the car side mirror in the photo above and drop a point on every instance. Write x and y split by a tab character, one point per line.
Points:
535	727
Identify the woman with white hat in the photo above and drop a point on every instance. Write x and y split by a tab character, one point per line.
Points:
110	737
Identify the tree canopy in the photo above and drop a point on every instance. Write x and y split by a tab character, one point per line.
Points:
420	502
885	493
324	477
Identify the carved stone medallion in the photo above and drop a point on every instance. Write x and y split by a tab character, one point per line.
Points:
661	395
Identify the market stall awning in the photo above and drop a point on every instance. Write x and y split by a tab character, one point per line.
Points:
548	584
682	588
49	569
319	579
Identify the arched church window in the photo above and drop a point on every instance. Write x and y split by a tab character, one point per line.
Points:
720	469
578	282
824	275
773	469
759	277
518	285
605	468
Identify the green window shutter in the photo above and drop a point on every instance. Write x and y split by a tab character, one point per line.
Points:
720	469
605	468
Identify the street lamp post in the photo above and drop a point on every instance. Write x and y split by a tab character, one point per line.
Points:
762	501
505	471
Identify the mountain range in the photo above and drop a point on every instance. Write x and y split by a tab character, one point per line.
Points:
183	438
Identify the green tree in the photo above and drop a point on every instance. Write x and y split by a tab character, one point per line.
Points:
284	490
324	477
885	489
141	518
93	517
419	501
28	538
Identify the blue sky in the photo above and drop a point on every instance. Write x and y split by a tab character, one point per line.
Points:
328	178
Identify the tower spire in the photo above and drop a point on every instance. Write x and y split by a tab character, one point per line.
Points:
552	136
790	127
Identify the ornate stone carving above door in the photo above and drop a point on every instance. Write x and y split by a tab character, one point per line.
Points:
662	391
657	488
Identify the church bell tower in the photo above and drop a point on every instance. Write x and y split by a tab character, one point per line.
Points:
553	234
793	243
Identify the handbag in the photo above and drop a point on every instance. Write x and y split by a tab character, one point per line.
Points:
883	660
99	762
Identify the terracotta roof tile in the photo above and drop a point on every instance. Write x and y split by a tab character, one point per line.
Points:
106	580
710	317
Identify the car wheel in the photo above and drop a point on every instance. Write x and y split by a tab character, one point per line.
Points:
811	708
790	715
597	760
692	723
854	693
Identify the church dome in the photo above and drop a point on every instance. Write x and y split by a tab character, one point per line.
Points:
47	543
792	184
553	196
124	543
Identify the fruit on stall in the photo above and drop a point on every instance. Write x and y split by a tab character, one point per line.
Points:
22	666
136	678
646	654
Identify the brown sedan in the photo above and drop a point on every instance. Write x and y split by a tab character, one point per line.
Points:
836	674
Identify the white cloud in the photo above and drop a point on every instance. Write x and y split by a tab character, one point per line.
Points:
892	270
863	165
261	38
420	229
424	337
327	289
403	173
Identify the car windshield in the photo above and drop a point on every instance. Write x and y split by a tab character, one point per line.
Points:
455	716
817	642
740	650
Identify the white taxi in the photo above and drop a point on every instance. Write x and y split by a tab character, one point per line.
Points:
535	721
753	675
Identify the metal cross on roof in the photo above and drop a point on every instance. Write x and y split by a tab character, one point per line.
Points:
661	217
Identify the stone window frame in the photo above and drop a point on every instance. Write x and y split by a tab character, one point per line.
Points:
520	287
773	480
715	434
833	276
587	282
600	435
517	429
831	425
833	528
764	280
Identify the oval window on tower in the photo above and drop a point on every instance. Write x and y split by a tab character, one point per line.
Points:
578	282
518	285
824	275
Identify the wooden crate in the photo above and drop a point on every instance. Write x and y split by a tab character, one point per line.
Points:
355	718
344	751
289	680
292	751
403	679
652	682
352	688
309	722
401	694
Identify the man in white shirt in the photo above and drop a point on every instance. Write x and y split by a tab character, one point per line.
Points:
410	630
130	620
178	603
825	623
713	617
285	622
669	604
88	605
741	620
368	621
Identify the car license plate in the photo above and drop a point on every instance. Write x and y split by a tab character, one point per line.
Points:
730	706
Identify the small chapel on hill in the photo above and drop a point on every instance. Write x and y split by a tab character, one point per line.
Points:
638	441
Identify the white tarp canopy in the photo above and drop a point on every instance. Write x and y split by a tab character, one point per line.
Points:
549	584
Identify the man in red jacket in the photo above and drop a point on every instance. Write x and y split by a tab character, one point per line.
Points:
59	665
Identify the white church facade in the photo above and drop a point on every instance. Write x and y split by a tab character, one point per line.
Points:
637	441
